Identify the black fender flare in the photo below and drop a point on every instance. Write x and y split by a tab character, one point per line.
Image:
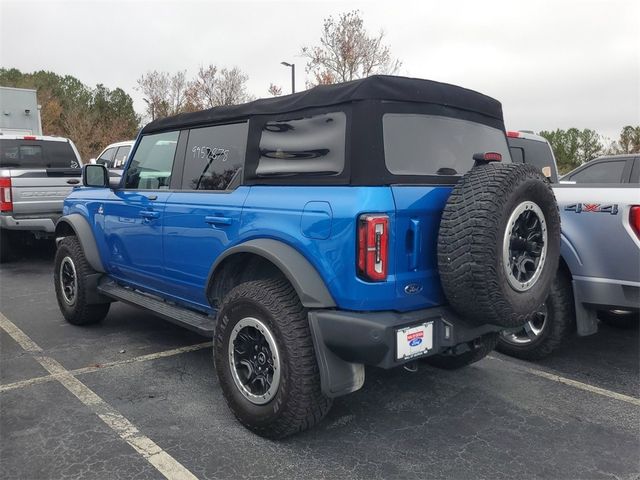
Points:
303	276
83	231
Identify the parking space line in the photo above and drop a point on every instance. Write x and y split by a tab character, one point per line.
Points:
103	366
147	448
573	383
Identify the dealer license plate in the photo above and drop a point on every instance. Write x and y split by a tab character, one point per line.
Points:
414	341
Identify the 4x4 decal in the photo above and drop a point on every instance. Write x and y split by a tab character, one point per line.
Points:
592	207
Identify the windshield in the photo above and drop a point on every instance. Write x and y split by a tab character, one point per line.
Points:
417	144
37	154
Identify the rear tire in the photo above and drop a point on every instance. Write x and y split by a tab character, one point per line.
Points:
276	392
499	244
70	278
539	339
479	348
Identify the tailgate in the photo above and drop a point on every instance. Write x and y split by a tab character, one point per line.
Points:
418	212
41	191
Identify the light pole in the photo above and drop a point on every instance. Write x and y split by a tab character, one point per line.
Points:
293	75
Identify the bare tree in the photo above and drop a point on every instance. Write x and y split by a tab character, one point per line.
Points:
347	52
214	87
155	88
165	94
205	84
275	90
231	87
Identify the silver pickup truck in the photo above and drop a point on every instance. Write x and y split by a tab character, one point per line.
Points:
36	174
599	274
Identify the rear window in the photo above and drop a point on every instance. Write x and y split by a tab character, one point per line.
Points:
533	152
37	154
418	144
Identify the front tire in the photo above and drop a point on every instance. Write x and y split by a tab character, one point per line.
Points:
547	331
265	359
70	279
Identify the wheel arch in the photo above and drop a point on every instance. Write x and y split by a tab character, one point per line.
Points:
261	258
76	225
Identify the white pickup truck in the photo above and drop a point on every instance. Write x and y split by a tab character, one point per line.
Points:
36	174
599	274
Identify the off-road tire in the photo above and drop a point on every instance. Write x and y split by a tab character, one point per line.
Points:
79	312
625	321
470	243
298	403
480	348
559	325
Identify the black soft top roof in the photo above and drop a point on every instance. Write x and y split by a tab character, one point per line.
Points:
377	87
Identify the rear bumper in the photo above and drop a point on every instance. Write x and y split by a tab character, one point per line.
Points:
44	223
346	341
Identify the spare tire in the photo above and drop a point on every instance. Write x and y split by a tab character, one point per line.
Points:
499	244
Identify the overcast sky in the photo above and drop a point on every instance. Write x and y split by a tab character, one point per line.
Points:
554	64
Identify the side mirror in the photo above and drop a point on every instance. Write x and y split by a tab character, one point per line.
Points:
95	175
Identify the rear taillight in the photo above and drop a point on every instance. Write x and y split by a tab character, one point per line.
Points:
373	247
6	202
634	219
512	134
29	137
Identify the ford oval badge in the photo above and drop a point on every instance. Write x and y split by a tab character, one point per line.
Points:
415	342
412	288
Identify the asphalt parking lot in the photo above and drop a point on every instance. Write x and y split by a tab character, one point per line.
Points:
136	378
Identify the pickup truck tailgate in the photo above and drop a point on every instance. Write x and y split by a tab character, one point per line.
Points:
41	190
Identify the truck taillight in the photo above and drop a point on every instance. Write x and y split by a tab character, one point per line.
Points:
373	247
6	202
634	219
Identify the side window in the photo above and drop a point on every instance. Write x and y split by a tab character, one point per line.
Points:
215	155
150	168
121	156
303	146
603	172
106	157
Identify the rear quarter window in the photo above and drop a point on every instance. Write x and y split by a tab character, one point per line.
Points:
419	144
313	145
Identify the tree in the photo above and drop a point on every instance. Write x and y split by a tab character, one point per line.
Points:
275	90
347	52
165	94
214	87
92	118
629	141
573	147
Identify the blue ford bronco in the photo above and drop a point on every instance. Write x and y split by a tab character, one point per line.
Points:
376	222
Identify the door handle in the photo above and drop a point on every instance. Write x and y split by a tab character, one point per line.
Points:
73	181
215	220
149	214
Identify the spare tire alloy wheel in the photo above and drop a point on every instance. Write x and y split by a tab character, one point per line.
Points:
524	246
499	245
254	360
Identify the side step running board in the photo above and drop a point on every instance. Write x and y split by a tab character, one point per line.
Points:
197	322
